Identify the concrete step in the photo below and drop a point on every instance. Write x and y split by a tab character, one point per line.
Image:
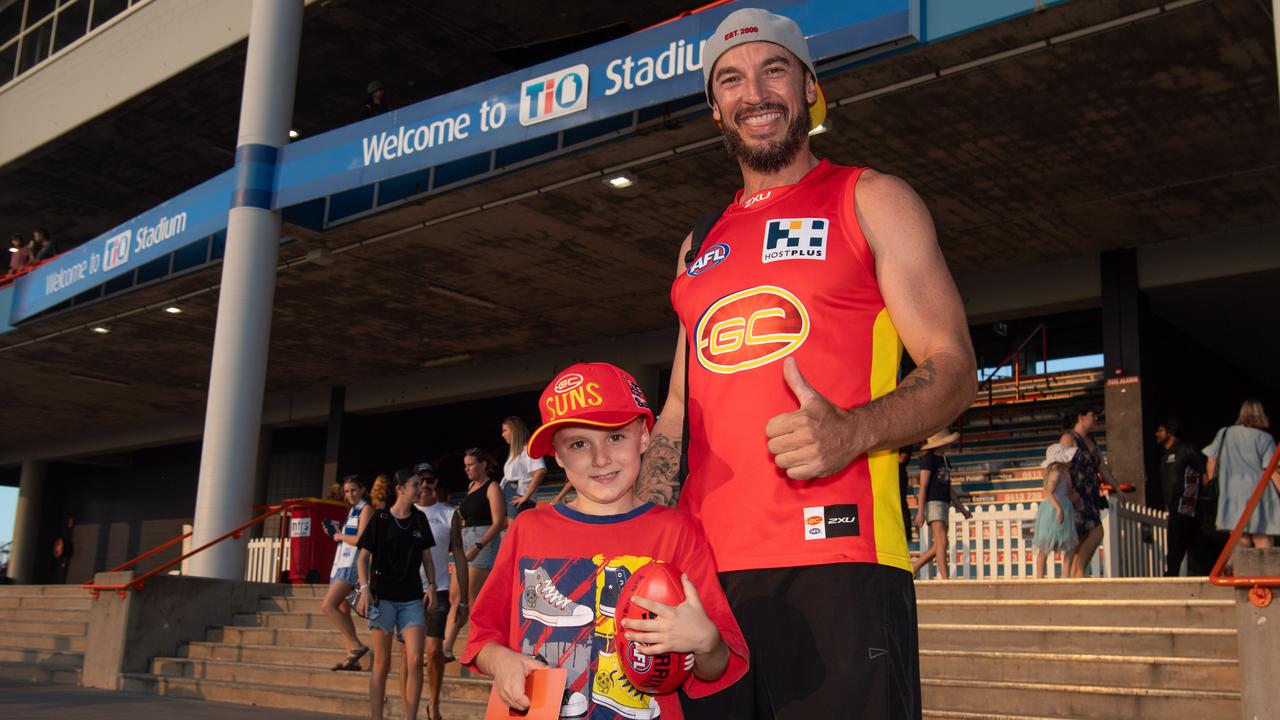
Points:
47	659
305	680
27	673
1083	589
1172	673
23	623
40	616
54	602
321	658
320	636
45	641
1117	613
1152	642
303	621
1083	702
299	591
43	591
338	703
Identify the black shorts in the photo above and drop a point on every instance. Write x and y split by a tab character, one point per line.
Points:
826	641
436	618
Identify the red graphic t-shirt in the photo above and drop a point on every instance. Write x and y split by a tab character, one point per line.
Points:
787	273
554	588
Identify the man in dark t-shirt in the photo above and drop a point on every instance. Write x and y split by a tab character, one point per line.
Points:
1182	469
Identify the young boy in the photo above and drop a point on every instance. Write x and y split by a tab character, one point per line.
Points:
553	591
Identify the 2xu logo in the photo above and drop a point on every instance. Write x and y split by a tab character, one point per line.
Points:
750	328
560	93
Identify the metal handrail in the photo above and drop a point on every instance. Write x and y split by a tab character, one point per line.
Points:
1260	585
989	380
137	583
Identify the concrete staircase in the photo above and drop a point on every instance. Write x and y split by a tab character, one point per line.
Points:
1058	649
280	657
43	631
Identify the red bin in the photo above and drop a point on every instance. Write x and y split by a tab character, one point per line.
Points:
311	550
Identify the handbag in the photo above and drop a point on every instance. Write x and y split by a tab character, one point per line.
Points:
353	600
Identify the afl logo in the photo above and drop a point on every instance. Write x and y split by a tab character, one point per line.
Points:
639	663
568	382
750	329
714	255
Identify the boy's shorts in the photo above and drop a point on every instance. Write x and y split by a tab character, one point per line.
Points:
437	618
396	617
826	641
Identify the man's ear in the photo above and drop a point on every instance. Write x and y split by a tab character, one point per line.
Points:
810	89
715	111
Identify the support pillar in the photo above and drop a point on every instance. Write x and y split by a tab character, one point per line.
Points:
1257	635
237	378
26	525
1121	345
333	438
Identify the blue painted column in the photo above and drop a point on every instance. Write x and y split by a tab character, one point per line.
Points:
233	417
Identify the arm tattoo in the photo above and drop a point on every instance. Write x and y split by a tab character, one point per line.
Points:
920	379
659	469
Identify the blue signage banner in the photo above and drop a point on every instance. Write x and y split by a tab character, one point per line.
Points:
657	65
647	68
198	212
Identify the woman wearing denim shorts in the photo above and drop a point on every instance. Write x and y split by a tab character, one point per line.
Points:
393	547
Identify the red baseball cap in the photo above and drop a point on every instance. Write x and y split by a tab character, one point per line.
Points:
591	394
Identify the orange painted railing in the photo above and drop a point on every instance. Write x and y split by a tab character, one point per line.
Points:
1260	592
138	582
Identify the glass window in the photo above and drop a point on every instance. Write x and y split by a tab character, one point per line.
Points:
37	10
10	19
104	10
72	21
37	43
8	60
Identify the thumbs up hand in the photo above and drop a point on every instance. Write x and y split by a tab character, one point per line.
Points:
815	440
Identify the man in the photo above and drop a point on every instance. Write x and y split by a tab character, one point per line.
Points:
42	246
376	101
446	530
795	310
1182	470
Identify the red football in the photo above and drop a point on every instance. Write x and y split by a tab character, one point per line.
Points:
651	674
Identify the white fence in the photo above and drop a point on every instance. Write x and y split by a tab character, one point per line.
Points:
264	559
996	543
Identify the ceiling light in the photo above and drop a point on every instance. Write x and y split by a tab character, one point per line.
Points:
620	181
173	310
822	127
447	360
100	329
293	134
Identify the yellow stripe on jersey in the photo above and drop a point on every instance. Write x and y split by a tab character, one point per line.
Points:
891	541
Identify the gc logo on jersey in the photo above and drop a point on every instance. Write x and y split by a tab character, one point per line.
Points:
750	328
563	92
795	239
831	521
713	256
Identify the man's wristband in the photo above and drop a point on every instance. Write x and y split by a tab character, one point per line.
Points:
462	604
479	544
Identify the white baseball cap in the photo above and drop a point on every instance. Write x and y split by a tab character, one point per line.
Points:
756	25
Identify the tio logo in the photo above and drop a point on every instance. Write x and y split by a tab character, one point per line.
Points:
555	95
750	328
116	250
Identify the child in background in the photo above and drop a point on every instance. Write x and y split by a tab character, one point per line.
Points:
1055	521
553	593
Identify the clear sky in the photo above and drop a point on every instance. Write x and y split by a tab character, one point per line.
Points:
8	506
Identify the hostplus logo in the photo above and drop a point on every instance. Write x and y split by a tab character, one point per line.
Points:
551	96
795	239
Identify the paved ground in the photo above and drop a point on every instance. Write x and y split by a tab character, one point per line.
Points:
47	702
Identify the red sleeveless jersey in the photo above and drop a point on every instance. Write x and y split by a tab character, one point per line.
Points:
787	272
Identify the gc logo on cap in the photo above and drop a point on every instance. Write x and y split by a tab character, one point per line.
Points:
591	394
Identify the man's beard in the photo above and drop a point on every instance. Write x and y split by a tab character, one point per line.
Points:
775	155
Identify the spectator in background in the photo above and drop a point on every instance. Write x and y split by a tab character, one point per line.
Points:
63	548
1182	482
335	491
381	492
19	253
376	102
904	484
1055	529
935	491
521	474
484	514
42	246
343	577
1086	464
446	531
1238	456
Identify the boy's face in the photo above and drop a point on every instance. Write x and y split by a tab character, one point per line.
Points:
602	464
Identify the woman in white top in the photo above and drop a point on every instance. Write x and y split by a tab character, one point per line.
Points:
521	474
343	576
